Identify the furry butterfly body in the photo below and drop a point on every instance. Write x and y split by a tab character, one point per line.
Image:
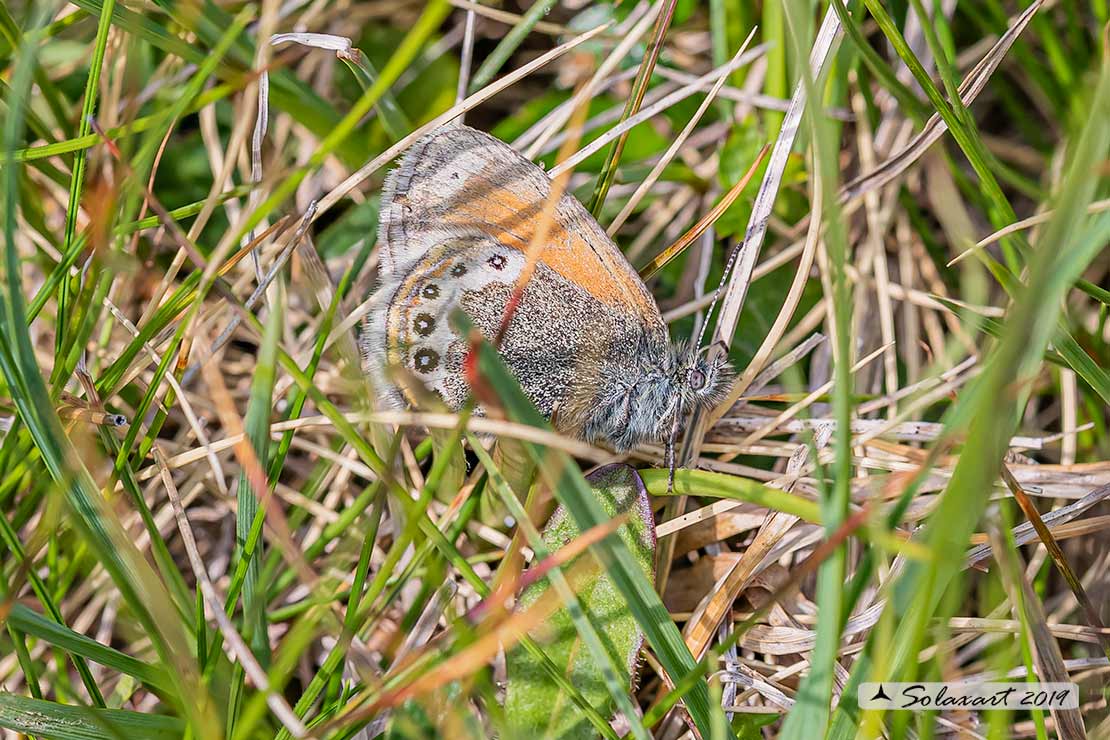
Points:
587	342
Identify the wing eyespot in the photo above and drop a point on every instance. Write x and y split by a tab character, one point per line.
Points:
425	360
424	324
458	270
497	262
430	291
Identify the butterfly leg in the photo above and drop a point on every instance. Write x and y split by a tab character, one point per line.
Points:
670	454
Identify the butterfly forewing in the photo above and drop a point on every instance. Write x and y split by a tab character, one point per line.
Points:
459	181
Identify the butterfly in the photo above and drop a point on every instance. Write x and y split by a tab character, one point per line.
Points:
587	342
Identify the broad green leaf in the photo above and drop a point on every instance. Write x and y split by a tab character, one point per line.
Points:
750	726
533	703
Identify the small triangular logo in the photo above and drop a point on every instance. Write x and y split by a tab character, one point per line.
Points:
880	694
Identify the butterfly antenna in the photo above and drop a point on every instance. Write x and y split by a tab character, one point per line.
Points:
733	256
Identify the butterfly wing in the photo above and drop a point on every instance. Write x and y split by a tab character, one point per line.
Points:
459	182
558	337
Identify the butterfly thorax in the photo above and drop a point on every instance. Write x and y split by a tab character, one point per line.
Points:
635	395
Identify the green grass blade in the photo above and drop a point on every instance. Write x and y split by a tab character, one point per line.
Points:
90	513
414	41
505	48
53	721
632	105
574	492
257	427
689	482
36	625
991	407
77	180
396	123
810	715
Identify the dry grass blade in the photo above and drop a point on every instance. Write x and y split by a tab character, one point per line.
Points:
480	425
632	105
739	270
1025	533
532	141
1022	225
501	16
703	624
656	170
472	101
1058	557
263	553
795	409
622	128
264	282
1046	651
215	604
183	242
467	60
804	570
660	260
774	334
256	474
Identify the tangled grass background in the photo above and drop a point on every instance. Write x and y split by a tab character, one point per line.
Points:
206	531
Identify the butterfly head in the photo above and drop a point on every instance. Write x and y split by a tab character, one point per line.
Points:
701	381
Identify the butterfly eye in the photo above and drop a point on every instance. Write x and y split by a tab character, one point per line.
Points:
696	380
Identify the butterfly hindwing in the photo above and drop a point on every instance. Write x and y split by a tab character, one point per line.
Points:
408	326
557	335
